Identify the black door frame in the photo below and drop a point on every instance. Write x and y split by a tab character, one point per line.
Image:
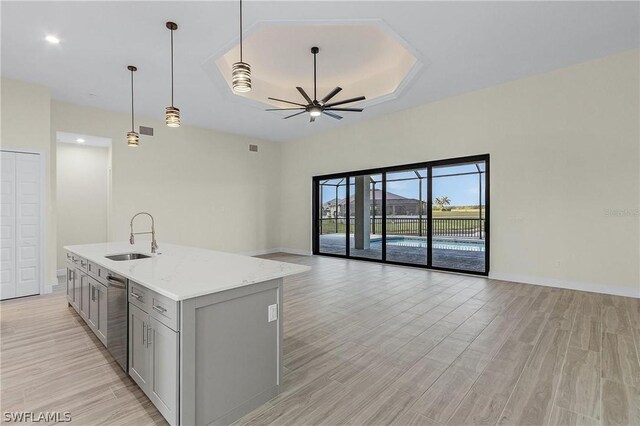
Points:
383	172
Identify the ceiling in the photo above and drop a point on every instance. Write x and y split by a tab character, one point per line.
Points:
465	46
363	57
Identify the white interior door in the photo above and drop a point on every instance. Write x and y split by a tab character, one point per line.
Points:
21	236
8	225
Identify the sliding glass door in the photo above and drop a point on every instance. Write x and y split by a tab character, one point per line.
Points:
406	216
331	216
458	210
433	214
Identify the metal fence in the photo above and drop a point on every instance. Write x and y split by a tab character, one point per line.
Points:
412	226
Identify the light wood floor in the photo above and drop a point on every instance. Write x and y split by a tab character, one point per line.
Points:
373	344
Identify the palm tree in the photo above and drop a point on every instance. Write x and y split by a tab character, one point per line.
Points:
442	201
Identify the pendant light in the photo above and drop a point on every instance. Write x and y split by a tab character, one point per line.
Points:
241	71
172	114
132	136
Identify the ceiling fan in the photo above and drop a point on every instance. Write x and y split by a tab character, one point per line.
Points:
314	107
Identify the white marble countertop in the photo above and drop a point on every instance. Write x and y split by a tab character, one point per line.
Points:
181	273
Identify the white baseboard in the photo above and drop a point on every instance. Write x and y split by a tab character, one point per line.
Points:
570	285
53	281
277	250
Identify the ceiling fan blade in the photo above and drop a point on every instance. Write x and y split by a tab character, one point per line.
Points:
331	95
312	119
345	109
359	98
304	94
284	109
332	115
293	115
286	102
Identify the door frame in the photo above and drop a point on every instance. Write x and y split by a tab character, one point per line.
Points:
44	205
384	170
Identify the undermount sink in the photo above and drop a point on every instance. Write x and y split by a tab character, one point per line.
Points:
127	256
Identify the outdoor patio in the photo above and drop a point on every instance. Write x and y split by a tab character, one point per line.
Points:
445	256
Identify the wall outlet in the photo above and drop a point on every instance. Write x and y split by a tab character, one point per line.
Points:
273	312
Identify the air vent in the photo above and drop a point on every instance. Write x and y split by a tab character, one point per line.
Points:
253	148
146	131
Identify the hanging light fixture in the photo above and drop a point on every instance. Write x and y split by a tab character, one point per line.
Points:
172	114
241	71
132	136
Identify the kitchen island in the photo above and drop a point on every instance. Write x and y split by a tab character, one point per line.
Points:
204	330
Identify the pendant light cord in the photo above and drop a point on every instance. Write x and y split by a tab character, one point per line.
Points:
315	95
240	30
171	67
132	125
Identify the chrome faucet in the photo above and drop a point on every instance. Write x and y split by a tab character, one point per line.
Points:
154	244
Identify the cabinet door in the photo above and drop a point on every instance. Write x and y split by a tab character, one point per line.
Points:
139	352
94	305
70	290
101	331
163	391
84	296
77	299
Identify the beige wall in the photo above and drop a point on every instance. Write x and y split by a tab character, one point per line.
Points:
203	187
25	122
564	148
82	190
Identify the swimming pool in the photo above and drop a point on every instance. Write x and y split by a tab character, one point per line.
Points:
441	244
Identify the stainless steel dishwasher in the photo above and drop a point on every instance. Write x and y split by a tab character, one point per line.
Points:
117	316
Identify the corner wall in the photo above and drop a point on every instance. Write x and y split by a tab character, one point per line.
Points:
565	170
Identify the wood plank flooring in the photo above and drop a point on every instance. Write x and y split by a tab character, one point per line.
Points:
372	344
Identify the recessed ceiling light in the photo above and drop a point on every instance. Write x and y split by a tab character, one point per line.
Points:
52	39
80	140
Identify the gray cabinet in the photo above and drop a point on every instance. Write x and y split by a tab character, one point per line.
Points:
74	296
84	295
71	285
139	352
101	291
75	264
76	289
163	386
153	350
94	305
230	353
97	318
76	277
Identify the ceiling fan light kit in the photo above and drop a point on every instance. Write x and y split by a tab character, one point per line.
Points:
314	107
